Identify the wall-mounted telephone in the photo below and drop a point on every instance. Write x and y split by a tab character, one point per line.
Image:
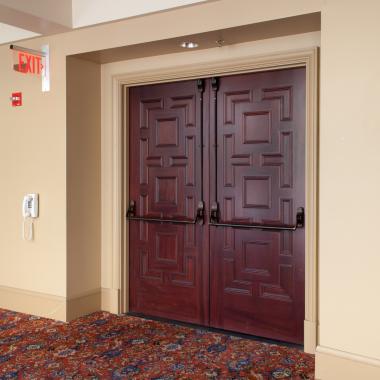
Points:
29	212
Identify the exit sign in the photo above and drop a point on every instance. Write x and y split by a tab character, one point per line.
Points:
29	64
33	62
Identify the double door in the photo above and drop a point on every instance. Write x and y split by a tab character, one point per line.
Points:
217	189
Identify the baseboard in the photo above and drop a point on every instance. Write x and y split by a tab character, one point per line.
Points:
86	303
110	300
310	336
49	306
333	364
35	303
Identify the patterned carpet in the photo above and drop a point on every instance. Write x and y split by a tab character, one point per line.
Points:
106	346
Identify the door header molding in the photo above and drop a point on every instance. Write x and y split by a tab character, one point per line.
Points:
226	67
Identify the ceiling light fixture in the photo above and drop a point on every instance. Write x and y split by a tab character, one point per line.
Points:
220	42
189	45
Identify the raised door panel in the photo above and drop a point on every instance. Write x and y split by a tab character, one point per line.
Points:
258	276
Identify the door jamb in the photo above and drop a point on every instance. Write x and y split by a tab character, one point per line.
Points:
120	83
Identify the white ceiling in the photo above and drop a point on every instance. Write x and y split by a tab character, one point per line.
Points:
10	33
90	12
21	19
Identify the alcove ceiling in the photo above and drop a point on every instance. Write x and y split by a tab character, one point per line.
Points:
217	38
23	19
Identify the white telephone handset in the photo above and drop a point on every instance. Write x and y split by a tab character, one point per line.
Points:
29	212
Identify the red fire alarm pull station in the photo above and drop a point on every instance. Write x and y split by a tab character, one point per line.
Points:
16	99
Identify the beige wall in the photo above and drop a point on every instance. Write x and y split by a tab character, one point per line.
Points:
349	178
83	177
33	159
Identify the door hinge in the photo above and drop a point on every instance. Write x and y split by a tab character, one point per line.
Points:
131	212
201	85
200	213
214	213
300	217
215	84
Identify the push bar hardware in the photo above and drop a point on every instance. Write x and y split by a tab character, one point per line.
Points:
214	221
199	218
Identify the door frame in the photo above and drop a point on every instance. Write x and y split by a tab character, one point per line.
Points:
307	58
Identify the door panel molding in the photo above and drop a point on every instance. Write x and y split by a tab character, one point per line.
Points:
307	58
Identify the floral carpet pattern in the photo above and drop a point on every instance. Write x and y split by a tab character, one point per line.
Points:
106	346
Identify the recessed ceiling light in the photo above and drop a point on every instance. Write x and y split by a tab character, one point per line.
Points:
189	45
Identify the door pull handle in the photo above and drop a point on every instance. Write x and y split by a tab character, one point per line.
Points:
300	222
199	217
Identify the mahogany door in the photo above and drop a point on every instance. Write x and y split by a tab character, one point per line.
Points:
257	276
168	262
252	130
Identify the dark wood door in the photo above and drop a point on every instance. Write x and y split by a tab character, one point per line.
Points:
250	281
257	277
168	263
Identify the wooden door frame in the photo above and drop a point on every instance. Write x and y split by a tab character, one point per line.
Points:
307	58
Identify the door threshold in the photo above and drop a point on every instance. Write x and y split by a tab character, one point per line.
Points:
218	331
